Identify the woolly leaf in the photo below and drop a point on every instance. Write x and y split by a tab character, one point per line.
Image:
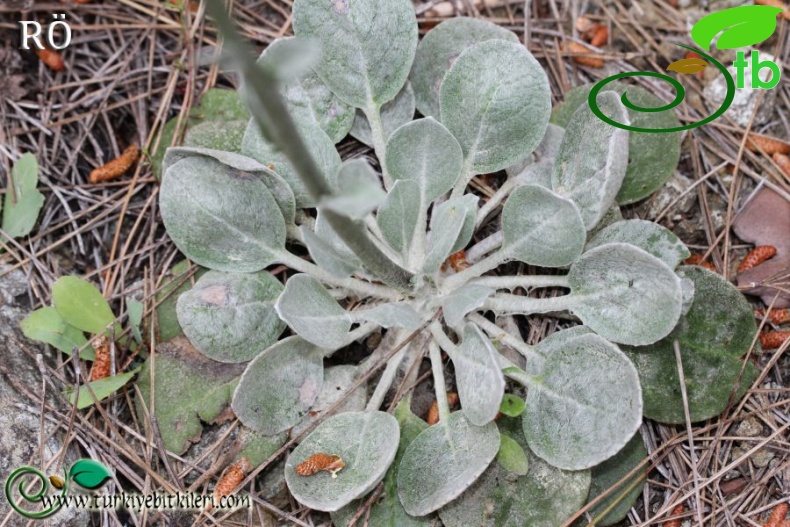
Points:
446	226
478	376
338	380
394	114
279	386
651	237
464	300
610	472
358	190
397	216
391	315
326	256
312	313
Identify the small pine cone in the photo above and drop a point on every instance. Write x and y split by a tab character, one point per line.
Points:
116	167
696	259
600	36
757	256
318	462
101	362
679	509
776	519
52	59
769	145
433	412
776	316
771	340
783	162
592	62
231	479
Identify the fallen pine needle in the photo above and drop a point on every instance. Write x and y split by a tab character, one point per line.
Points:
116	167
756	256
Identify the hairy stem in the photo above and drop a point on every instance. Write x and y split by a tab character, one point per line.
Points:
438	380
525	281
490	243
494	201
386	380
515	304
463	181
373	113
492	261
268	108
497	333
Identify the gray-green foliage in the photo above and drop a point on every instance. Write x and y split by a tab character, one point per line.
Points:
381	241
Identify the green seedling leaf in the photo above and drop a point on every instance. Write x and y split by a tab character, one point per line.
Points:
397	216
24	203
652	158
511	456
651	237
308	98
545	497
512	405
102	389
326	256
221	217
595	387
89	474
391	315
280	190
230	317
592	159
439	48
189	387
338	380
610	472
462	301
375	43
625	294
447	225
394	114
358	190
134	310
366	442
443	461
478	376
219	108
541	228
388	511
81	305
320	146
312	313
497	109
279	386
46	325
426	152
713	337
742	26
173	286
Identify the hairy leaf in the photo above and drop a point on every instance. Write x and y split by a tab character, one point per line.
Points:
497	109
439	49
230	317
397	216
366	442
358	190
478	376
337	381
610	472
391	315
651	237
446	227
173	286
326	256
312	313
713	336
279	386
541	227
584	403
592	159
443	461
625	294
394	114
221	217
464	300
511	456
374	43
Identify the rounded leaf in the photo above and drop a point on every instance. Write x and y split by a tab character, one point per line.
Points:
366	442
394	114
312	312
652	237
652	158
220	217
583	404
368	47
625	294
511	456
438	50
610	472
478	376
542	228
279	386
713	336
80	304
512	405
426	152
443	461
230	317
337	381
496	101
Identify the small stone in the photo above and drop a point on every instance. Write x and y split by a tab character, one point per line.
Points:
672	189
749	427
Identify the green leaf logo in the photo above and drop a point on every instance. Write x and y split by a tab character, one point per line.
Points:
742	26
89	474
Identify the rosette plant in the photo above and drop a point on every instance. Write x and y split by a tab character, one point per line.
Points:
378	236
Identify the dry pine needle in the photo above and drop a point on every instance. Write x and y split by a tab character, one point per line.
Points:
116	167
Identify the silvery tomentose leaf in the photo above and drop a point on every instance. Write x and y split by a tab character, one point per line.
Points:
463	300
438	50
593	157
397	216
541	227
478	376
652	237
394	114
396	314
230	317
497	109
338	380
443	461
358	190
279	386
366	442
447	225
220	217
312	312
308	98
374	43
326	256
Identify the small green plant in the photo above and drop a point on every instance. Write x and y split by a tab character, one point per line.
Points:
380	238
23	201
